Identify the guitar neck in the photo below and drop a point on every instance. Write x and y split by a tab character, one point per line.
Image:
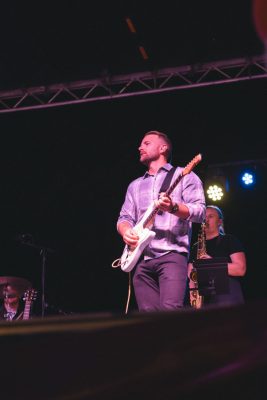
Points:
27	309
156	209
174	184
150	216
188	168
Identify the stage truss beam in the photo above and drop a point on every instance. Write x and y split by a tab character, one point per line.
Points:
135	84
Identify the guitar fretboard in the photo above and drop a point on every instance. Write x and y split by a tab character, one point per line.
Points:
151	216
174	184
27	309
29	297
168	192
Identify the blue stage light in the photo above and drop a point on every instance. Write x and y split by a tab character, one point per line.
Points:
247	179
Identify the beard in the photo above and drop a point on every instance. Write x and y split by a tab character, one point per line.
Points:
144	159
145	162
147	159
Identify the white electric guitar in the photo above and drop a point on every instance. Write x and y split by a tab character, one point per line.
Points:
131	255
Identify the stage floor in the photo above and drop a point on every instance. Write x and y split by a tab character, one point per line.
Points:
216	353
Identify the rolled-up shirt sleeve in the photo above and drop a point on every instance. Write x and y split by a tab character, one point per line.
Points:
128	209
193	197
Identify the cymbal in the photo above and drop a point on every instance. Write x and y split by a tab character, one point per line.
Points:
17	284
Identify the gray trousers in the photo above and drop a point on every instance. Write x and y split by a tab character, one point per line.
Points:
160	283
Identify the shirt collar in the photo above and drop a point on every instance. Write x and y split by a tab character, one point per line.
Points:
167	167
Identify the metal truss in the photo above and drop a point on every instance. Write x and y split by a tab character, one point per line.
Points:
135	84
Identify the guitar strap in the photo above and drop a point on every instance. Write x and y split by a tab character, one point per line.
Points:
167	181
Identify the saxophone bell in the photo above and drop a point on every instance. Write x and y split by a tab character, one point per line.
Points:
193	275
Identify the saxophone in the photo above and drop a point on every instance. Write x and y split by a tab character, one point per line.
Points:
196	300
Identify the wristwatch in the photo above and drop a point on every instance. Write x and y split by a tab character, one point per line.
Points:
174	209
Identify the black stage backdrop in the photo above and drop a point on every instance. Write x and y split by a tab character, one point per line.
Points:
64	173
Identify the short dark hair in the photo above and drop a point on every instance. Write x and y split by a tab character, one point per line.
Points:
166	140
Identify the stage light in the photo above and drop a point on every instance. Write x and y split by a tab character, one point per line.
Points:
215	192
245	173
247	179
216	184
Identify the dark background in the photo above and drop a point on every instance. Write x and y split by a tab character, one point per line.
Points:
64	171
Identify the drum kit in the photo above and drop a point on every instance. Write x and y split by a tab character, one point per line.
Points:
21	288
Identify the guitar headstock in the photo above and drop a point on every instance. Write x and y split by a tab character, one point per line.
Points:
30	295
188	168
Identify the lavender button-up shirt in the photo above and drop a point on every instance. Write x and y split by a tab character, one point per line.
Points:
172	232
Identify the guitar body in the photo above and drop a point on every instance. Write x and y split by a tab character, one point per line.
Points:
130	257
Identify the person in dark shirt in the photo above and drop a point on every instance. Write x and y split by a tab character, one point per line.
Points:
221	245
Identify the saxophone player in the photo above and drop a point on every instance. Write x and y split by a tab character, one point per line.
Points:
220	244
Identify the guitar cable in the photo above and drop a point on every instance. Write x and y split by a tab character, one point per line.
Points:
129	292
117	263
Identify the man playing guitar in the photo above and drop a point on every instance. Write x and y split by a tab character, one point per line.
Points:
160	274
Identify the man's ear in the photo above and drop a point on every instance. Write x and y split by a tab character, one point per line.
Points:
163	148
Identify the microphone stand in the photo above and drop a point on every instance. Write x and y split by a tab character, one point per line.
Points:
27	239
